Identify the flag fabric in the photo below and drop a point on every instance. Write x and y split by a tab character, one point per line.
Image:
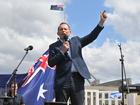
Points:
116	94
38	86
57	7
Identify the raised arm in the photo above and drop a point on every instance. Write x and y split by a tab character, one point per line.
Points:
94	34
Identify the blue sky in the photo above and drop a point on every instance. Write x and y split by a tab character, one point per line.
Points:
84	16
31	22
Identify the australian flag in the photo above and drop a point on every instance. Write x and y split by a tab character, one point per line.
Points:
37	87
57	7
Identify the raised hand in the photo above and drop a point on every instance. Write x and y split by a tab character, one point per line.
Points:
103	17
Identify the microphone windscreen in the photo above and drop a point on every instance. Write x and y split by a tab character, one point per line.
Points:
30	47
65	38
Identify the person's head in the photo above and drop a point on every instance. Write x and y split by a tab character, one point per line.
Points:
12	87
63	30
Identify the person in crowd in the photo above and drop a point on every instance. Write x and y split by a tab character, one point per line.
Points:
14	97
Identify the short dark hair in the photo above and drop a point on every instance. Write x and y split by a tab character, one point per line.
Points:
63	23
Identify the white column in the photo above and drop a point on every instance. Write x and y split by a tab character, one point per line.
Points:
131	99
97	97
91	92
85	97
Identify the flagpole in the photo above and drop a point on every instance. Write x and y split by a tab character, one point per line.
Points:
61	8
64	14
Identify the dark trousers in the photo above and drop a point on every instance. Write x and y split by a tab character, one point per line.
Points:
73	89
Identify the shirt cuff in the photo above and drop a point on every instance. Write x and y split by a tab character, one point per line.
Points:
101	25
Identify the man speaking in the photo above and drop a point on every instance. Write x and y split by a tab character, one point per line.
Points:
71	70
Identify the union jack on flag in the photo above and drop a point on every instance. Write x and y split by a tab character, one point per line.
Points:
38	86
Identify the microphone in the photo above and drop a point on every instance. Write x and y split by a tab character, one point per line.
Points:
66	53
66	38
29	48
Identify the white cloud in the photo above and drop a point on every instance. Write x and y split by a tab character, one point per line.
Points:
30	22
23	23
104	64
30	17
125	17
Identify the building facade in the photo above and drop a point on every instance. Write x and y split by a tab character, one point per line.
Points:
108	94
102	97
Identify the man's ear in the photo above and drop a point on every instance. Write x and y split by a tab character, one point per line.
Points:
58	33
70	31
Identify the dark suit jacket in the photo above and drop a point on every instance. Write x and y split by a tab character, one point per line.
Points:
63	62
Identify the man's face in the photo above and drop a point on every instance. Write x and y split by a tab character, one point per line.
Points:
63	30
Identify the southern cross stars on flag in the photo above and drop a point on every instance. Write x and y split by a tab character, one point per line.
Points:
38	86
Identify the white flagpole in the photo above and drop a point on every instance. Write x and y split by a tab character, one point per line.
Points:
64	14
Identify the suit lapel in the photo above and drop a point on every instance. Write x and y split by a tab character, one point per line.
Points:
71	47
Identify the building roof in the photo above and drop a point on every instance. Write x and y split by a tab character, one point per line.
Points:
112	83
107	86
